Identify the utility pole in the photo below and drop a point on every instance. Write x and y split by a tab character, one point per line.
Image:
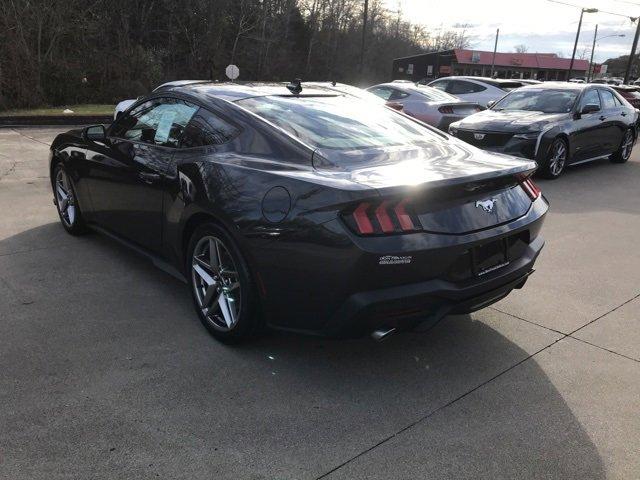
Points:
633	51
495	48
364	34
593	48
575	45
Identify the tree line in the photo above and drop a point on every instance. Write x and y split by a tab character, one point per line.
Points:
57	52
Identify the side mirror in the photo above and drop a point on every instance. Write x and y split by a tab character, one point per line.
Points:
95	133
589	108
491	103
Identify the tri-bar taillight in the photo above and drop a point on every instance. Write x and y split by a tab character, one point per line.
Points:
381	218
530	188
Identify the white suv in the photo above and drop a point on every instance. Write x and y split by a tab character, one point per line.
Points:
476	89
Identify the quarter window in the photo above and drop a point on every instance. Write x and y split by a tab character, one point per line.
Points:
205	128
382	92
441	85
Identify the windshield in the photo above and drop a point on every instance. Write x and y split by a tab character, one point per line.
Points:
547	101
338	122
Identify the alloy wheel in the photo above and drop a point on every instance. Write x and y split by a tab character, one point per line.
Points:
627	145
558	158
216	283
64	198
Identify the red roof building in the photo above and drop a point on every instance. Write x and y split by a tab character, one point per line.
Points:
540	66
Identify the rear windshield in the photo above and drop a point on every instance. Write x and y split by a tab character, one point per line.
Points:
538	100
338	122
508	86
433	94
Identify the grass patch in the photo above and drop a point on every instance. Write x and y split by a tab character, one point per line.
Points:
89	109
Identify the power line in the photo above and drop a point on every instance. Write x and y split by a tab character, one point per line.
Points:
633	19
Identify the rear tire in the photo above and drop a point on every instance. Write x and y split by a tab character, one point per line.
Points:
223	292
556	160
624	152
66	202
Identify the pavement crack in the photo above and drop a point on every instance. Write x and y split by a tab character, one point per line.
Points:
440	408
30	138
528	321
604	314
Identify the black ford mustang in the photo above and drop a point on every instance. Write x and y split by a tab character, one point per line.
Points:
556	124
306	210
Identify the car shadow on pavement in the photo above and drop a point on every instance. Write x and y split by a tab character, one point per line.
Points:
108	373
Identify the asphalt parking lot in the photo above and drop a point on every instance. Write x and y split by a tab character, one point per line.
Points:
106	371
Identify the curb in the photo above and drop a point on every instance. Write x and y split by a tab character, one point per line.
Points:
54	120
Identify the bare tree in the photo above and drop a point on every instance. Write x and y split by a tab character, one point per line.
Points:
520	48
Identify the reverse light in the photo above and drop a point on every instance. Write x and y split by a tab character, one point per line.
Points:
530	188
387	217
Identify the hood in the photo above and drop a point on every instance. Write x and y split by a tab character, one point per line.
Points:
441	162
509	120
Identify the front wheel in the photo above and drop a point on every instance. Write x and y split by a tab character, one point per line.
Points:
624	152
556	159
66	202
223	293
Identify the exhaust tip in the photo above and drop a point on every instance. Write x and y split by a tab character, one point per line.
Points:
382	333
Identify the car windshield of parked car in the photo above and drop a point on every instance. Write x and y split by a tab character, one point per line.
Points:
338	122
539	100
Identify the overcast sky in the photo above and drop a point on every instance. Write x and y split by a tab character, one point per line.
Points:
541	25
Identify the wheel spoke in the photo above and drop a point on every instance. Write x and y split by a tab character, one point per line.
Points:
71	213
202	273
227	311
214	254
210	297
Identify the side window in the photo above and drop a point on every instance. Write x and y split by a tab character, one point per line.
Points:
460	87
591	97
397	94
157	122
205	128
607	99
441	85
382	92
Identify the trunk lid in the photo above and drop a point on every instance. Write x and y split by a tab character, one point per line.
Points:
447	186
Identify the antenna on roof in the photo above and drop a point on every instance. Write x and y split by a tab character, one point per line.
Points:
295	86
333	84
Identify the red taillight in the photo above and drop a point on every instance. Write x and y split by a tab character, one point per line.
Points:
530	188
395	106
446	109
362	219
386	217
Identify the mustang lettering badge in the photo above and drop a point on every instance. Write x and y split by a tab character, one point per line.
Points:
486	205
478	136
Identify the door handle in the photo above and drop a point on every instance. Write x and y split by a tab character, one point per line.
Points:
149	177
624	114
602	117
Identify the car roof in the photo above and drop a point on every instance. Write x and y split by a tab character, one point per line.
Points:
489	80
558	86
234	91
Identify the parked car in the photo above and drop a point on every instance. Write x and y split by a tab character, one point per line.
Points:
529	81
555	123
425	103
481	90
303	208
125	104
630	93
357	92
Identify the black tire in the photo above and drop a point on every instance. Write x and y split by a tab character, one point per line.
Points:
626	146
247	323
555	161
72	223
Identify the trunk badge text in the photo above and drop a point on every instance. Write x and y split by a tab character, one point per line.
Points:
394	260
486	205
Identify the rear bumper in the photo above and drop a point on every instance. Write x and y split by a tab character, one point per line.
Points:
406	306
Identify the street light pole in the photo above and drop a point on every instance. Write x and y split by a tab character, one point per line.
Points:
633	51
575	45
495	47
593	48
